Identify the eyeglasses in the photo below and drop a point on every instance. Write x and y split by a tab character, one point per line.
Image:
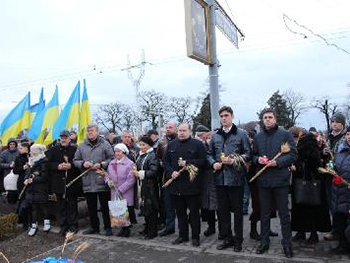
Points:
224	115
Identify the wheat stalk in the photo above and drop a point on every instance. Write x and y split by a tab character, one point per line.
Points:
79	250
69	236
285	148
2	255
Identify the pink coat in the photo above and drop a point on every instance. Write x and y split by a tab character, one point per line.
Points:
124	179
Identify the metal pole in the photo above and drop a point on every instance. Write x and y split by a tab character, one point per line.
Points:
213	72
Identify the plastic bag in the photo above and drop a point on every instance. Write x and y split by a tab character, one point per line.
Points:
10	181
119	213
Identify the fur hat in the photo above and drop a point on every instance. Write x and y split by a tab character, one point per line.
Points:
338	117
147	140
122	147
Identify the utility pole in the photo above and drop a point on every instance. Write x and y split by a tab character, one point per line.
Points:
213	71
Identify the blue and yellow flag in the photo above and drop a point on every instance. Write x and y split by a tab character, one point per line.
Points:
85	115
44	120
38	107
69	117
16	121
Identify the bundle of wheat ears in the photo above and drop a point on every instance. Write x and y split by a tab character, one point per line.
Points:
192	173
285	148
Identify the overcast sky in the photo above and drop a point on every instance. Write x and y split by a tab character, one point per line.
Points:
44	43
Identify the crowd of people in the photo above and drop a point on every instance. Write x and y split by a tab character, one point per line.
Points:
194	178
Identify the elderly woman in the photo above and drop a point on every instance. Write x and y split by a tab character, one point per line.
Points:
146	172
36	181
121	181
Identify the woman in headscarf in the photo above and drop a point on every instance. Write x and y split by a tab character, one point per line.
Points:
121	180
146	172
36	181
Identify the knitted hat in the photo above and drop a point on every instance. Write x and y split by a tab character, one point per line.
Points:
338	117
202	128
147	140
312	129
348	129
121	147
37	149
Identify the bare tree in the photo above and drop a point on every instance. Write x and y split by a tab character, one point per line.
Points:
326	108
110	116
183	109
130	118
153	105
295	104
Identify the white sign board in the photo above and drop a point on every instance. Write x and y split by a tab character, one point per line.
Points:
226	25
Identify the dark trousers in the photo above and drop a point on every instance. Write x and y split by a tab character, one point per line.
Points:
67	212
170	209
193	203
39	210
91	199
347	234
340	224
230	198
151	223
280	194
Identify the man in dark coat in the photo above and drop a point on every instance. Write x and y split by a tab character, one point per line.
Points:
62	171
275	180
229	150
186	192
167	207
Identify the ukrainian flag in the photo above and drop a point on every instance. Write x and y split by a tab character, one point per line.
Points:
69	117
44	120
16	121
38	107
85	115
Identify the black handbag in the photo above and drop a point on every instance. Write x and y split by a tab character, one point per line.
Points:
307	192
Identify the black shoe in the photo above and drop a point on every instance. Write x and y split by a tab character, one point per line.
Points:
254	235
220	237
340	250
262	249
147	237
74	230
273	234
299	236
91	231
313	239
225	245
179	240
288	252
209	231
195	242
160	226
143	232
237	248
126	232
109	232
63	232
167	232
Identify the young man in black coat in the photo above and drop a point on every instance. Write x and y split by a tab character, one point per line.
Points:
62	171
275	180
180	152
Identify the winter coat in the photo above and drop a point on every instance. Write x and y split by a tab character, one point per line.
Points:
37	191
336	141
124	180
209	196
6	158
20	161
341	194
235	141
268	142
102	153
58	179
193	152
147	165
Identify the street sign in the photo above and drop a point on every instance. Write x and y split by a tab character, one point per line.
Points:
197	21
225	24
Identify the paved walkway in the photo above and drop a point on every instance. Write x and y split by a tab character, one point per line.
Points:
136	249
